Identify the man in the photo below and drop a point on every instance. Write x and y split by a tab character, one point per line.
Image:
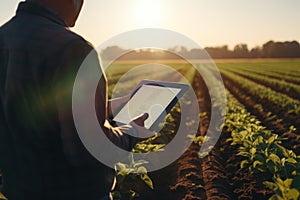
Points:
42	157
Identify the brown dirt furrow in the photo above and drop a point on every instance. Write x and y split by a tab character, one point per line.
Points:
214	174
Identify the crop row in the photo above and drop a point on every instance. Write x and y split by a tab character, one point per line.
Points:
282	68
283	102
269	115
273	70
262	152
276	75
281	86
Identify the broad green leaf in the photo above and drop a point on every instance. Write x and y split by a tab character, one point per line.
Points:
252	150
283	160
255	163
258	140
272	186
243	163
291	160
272	139
142	170
292	194
291	154
133	195
280	184
275	158
288	182
283	150
247	143
121	166
147	180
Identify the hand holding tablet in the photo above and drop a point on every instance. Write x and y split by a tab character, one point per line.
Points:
154	98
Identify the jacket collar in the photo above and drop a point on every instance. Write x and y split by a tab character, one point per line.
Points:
40	10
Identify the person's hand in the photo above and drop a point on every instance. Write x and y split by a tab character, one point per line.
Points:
138	124
140	120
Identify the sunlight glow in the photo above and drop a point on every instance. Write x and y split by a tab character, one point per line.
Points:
148	12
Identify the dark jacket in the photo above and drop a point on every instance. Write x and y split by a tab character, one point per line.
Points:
42	156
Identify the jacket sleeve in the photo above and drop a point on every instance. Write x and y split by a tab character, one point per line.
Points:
73	56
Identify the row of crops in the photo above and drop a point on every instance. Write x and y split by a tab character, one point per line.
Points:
262	152
261	92
260	142
290	89
266	150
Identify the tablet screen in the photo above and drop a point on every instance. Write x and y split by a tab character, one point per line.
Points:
151	99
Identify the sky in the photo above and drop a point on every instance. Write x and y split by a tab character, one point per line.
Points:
207	22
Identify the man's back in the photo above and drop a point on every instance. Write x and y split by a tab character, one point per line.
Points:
39	60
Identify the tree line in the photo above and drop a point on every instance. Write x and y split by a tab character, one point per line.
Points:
271	49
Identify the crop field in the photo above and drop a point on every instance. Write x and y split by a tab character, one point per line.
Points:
258	153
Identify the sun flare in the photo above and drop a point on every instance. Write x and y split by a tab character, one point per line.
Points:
148	12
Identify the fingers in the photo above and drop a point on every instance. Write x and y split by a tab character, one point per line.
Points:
138	130
140	120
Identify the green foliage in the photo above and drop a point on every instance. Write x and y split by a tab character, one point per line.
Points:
281	85
199	140
145	148
135	169
262	151
287	189
287	71
128	173
263	93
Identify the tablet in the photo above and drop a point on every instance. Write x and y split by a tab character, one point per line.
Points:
153	97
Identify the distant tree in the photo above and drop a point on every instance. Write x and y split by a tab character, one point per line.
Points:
256	52
293	49
219	52
267	49
241	51
273	49
270	49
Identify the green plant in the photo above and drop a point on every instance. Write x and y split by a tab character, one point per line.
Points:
262	151
130	173
199	140
284	189
264	93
